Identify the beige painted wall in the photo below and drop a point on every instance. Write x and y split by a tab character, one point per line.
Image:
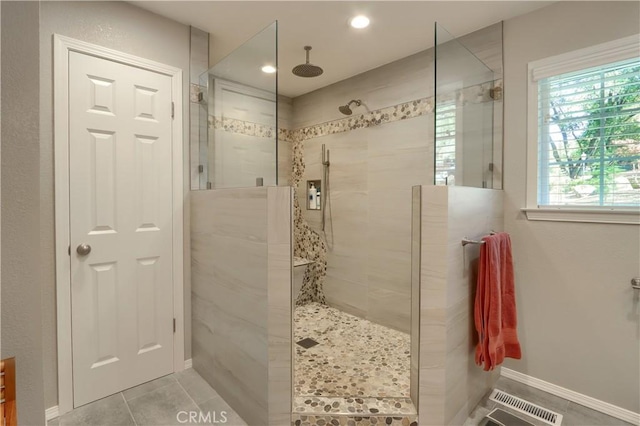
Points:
21	286
577	315
129	29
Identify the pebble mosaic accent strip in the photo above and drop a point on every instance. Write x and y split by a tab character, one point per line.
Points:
285	135
307	243
355	358
302	420
249	128
469	95
242	127
374	118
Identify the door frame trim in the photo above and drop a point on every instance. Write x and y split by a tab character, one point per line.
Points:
62	47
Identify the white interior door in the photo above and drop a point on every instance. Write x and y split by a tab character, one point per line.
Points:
120	169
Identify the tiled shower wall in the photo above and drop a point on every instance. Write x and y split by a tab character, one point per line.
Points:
242	304
375	160
451	384
369	216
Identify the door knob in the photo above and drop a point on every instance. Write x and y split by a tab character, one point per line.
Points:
83	249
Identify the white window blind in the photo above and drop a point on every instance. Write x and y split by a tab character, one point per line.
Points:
589	137
445	142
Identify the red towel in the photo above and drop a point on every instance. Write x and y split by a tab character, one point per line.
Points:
495	304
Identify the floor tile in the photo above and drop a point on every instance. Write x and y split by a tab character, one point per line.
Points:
485	402
139	390
161	406
476	415
578	415
218	406
197	388
109	411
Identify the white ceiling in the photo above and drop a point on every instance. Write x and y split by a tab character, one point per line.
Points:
398	29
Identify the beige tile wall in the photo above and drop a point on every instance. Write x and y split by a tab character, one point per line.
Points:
371	175
451	384
241	304
369	216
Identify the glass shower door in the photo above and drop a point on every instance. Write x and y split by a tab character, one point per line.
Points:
463	114
240	147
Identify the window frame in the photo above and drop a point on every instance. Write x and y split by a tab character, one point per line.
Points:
593	56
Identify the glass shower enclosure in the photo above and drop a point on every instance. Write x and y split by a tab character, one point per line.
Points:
465	90
241	225
239	145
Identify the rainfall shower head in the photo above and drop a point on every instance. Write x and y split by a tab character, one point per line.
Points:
346	109
307	69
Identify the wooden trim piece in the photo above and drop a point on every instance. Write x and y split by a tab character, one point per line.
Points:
9	409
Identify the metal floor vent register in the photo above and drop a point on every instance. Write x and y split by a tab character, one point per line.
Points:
526	407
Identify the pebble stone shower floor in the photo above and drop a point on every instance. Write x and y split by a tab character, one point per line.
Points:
358	368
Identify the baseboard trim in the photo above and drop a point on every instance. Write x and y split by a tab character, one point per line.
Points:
188	363
51	413
578	398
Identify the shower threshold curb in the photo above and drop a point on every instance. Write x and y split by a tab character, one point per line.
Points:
353	406
359	420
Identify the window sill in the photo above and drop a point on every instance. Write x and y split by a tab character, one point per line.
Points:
618	216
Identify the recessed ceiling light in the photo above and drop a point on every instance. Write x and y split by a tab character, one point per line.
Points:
360	22
269	69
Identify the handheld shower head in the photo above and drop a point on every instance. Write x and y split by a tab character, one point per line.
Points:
346	109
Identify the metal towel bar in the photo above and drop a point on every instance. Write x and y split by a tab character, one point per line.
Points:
466	240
